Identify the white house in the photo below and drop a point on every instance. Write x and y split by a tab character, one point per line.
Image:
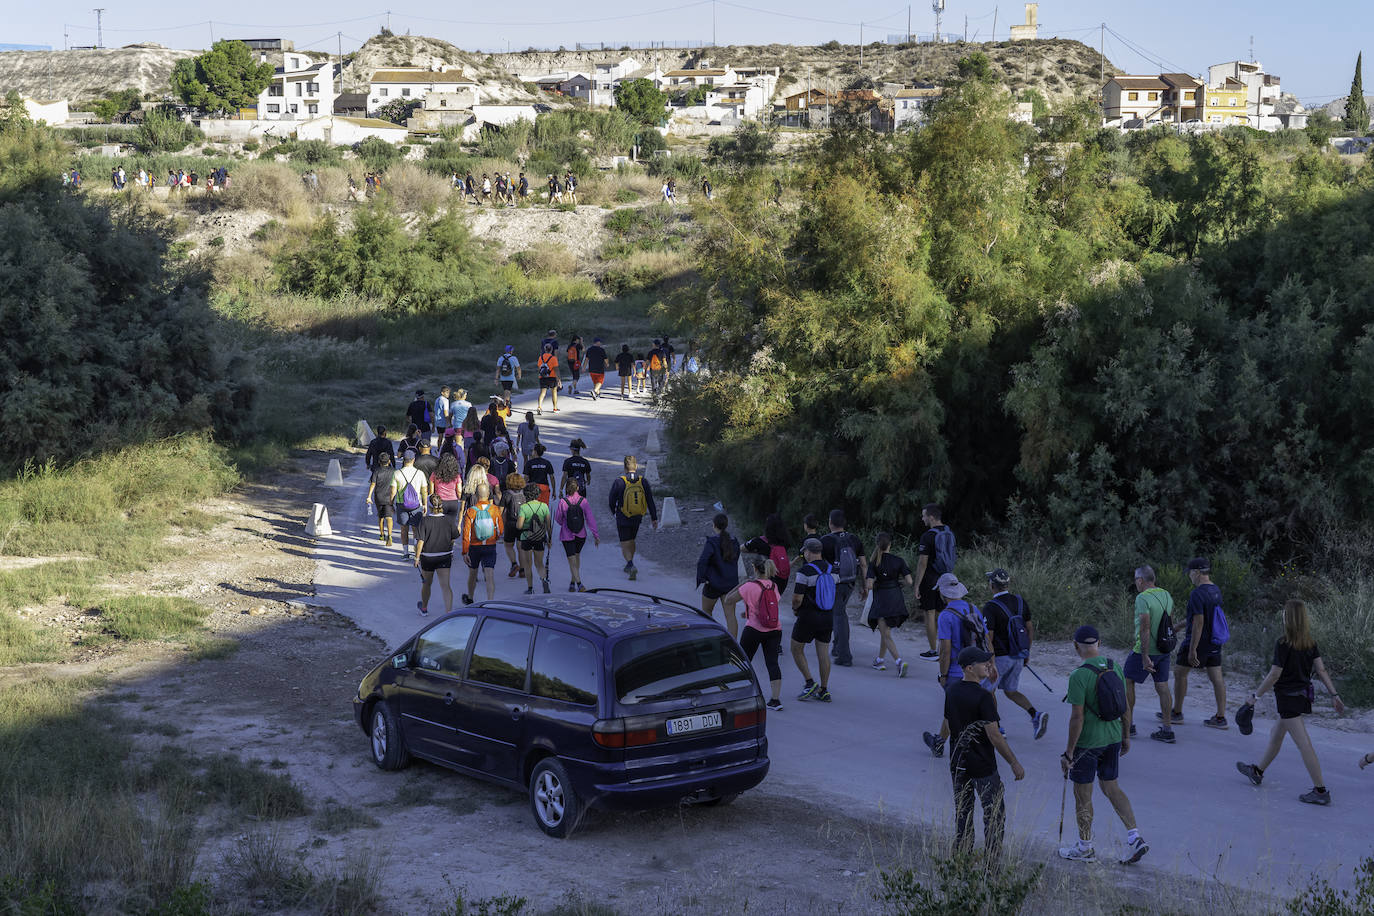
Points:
699	76
301	88
1262	91
340	131
414	83
54	112
910	106
741	101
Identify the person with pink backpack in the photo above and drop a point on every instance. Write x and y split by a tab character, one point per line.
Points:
762	624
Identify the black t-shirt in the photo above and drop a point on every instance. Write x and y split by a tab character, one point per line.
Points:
830	548
888	572
492	426
1297	665
966	704
539	470
426	463
408	445
416	413
625	363
579	469
437	531
376	447
382	478
596	359
998	613
926	549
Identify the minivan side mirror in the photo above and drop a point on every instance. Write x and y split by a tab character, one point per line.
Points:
401	661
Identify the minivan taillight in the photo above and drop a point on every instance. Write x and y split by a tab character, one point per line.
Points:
748	713
613	733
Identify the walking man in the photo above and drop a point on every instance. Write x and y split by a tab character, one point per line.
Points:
813	622
1009	623
1098	738
1147	658
845	553
507	369
935	557
548	378
1200	649
482	531
658	367
631	499
410	493
625	369
971	717
596	366
961	625
418	413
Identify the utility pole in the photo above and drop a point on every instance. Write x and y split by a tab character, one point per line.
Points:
861	61
908	22
1101	51
99	35
713	23
388	20
965	27
994	23
340	90
212	33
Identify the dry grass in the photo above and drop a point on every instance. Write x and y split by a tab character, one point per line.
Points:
415	190
269	186
548	261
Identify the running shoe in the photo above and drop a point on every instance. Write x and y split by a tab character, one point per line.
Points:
572	586
381	537
936	744
879	665
545	583
930	656
581	587
1251	772
388	540
467	599
808	692
901	668
1135	851
1132	729
1178	717
514	571
1216	722
1077	853
823	695
1040	723
1315	798
405	555
629	565
633	573
424	611
530	590
1163	734
775	705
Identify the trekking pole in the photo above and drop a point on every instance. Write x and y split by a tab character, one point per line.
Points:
1063	797
1037	677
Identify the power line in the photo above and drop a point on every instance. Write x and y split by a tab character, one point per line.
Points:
526	23
854	24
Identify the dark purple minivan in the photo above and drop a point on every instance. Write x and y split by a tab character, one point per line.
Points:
604	698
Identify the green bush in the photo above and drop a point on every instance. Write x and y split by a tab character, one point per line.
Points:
1321	899
964	884
163	131
376	153
316	152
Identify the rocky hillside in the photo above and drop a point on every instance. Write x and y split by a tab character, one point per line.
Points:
1058	68
383	51
78	75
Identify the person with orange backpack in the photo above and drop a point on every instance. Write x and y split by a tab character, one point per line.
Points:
547	368
658	367
482	531
762	623
575	361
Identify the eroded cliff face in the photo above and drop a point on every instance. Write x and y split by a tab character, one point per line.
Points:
80	75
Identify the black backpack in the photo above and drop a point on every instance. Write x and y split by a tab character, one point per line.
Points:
507	367
1018	640
1109	690
574	516
1166	640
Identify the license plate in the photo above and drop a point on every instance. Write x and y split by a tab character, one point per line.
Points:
693	723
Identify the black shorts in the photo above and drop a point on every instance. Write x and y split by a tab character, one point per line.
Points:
1101	763
550	382
627	527
813	625
429	564
510	534
709	591
409	518
507	384
452	507
1208	661
574	547
931	600
481	555
386	509
1290	707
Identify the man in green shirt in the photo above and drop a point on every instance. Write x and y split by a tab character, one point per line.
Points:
1096	745
1146	659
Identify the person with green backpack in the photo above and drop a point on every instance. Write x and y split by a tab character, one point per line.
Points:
1099	736
482	531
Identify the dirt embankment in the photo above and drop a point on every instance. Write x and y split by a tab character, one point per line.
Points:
78	75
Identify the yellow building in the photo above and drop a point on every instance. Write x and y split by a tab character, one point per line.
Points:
1225	104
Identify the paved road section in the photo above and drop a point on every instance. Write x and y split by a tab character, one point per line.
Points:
863	752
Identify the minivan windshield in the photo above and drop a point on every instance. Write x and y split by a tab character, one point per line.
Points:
681	663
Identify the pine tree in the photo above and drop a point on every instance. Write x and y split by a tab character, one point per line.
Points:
1356	108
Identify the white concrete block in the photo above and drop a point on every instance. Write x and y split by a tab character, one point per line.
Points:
318	526
668	516
654	443
650	471
364	434
334	476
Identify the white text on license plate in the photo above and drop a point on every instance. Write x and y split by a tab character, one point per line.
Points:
693	723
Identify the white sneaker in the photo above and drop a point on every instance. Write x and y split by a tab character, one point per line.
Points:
1076	853
1135	850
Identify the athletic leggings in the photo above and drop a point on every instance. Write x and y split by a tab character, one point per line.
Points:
750	640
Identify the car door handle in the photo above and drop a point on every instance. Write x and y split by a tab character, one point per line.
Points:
517	713
448	699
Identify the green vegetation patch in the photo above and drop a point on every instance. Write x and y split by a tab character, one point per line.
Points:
149	616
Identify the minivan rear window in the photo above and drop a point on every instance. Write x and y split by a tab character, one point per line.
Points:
682	663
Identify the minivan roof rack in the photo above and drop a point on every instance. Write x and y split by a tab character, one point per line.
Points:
652	598
551	614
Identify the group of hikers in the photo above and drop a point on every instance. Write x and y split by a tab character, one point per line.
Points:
177	180
634	371
502	189
981	650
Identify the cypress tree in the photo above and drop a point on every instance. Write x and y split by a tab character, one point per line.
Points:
1356	108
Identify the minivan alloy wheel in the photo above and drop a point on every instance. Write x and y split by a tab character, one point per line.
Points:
548	798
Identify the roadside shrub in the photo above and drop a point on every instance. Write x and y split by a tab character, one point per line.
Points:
270	186
376	153
641	271
963	884
546	261
162	130
1319	898
414	189
316	152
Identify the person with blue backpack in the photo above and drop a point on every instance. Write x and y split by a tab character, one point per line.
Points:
845	553
813	600
1009	624
961	625
1099	736
482	531
935	556
1206	631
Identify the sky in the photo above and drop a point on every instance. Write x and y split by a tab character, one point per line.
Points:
1312	49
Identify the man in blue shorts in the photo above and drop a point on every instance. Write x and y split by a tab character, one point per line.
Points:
1145	660
1095	747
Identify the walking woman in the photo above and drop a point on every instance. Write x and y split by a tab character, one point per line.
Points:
574	516
773	544
718	570
534	525
447	482
1296	661
762	623
512	499
887	574
434	553
527	437
379	494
